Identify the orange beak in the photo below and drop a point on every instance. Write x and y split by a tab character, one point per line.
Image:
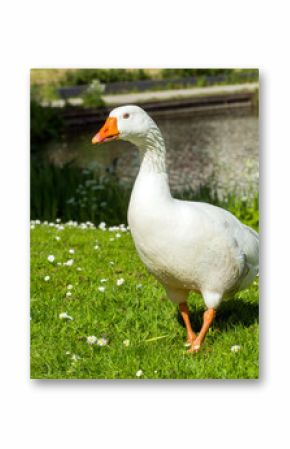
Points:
108	132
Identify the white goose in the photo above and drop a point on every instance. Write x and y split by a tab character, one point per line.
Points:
185	245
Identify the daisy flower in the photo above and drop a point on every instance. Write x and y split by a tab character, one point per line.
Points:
46	278
102	226
126	342
120	282
101	289
235	348
50	258
71	251
65	316
91	339
139	373
102	341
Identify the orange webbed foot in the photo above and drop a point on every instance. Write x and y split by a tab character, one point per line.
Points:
195	346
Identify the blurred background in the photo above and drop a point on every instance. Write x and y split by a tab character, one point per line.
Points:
208	117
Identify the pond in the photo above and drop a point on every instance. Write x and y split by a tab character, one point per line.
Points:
220	151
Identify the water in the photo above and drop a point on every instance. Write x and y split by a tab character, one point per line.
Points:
219	151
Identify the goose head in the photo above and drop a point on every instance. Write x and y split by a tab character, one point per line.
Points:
129	123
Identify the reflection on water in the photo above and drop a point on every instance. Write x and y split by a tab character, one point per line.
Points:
220	151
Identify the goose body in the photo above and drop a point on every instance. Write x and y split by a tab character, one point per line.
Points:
187	246
194	246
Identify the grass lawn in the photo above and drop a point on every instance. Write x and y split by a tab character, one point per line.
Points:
136	312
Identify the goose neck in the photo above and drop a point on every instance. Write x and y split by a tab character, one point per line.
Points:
153	153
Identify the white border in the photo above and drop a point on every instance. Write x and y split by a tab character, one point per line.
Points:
144	34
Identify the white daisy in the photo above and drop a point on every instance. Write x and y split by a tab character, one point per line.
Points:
126	342
69	286
71	251
120	282
139	373
50	258
65	316
57	237
103	280
102	226
69	263
101	289
68	293
96	247
91	339
235	348
46	278
102	341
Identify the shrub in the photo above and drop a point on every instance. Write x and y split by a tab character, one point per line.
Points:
45	124
72	193
92	96
86	76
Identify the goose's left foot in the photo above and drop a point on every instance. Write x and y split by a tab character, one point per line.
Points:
208	318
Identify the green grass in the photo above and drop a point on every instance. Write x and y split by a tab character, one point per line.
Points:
139	314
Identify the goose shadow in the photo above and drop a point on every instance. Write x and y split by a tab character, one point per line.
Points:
230	313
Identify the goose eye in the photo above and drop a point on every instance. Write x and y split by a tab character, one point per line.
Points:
126	115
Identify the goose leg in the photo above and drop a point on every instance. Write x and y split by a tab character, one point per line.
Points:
208	318
191	336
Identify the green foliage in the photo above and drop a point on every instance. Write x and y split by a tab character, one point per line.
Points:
93	95
72	193
231	74
45	124
40	93
75	194
86	76
183	73
136	311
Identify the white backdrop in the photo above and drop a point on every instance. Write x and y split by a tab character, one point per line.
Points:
123	33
